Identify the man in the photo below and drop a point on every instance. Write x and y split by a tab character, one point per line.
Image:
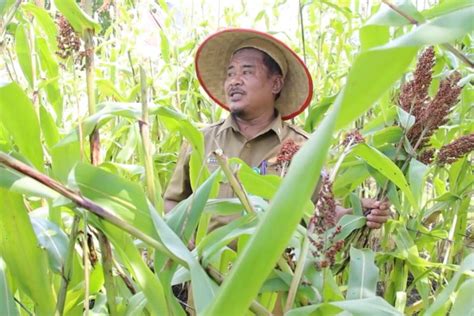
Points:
262	82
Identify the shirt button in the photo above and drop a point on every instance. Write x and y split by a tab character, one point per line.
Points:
248	145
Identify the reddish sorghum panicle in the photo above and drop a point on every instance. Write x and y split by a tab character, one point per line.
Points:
414	94
436	112
68	41
426	156
324	248
354	136
287	151
456	149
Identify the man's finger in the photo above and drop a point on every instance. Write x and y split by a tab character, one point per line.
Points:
374	225
370	203
380	212
377	219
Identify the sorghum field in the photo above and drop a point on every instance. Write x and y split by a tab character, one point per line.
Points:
96	97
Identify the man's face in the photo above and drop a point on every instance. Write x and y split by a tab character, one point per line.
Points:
250	90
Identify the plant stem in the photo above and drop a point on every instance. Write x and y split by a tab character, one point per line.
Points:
107	260
234	183
151	190
67	267
295	282
87	204
85	258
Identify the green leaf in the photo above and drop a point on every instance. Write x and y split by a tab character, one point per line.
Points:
416	175
45	21
348	224
50	68
374	306
464	304
445	7
48	127
145	278
19	248
25	131
363	274
185	217
387	16
285	212
5	5
406	119
23	51
390	135
53	239
365	84
24	185
203	288
443	29
467	264
373	35
386	167
7	303
80	21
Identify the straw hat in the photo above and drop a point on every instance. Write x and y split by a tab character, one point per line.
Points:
215	52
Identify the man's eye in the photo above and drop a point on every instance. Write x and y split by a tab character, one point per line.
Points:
230	74
247	72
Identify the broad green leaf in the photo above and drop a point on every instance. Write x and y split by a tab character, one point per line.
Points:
136	305
386	167
124	198
50	68
464	304
23	51
285	212
373	35
363	274
315	310
24	185
25	132
365	84
348	224
53	239
445	7
64	158
79	20
467	264
5	5
145	278
374	306
7	303
203	288
45	21
443	29
20	249
390	135
416	176
387	16
48	127
406	119
185	218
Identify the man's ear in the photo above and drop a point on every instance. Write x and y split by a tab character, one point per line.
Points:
278	83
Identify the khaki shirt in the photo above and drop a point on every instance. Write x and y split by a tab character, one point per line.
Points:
256	152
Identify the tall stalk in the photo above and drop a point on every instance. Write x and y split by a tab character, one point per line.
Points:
67	267
152	190
107	258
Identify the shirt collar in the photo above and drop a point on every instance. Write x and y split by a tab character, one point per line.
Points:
276	126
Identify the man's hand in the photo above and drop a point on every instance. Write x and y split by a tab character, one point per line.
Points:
377	212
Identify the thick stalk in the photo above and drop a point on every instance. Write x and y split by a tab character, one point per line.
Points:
87	267
151	190
87	204
67	267
107	261
234	183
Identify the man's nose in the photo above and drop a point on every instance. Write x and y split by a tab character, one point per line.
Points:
236	79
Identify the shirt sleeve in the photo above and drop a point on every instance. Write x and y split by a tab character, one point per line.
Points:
179	187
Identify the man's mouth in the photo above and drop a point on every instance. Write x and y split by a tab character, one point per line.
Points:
235	95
